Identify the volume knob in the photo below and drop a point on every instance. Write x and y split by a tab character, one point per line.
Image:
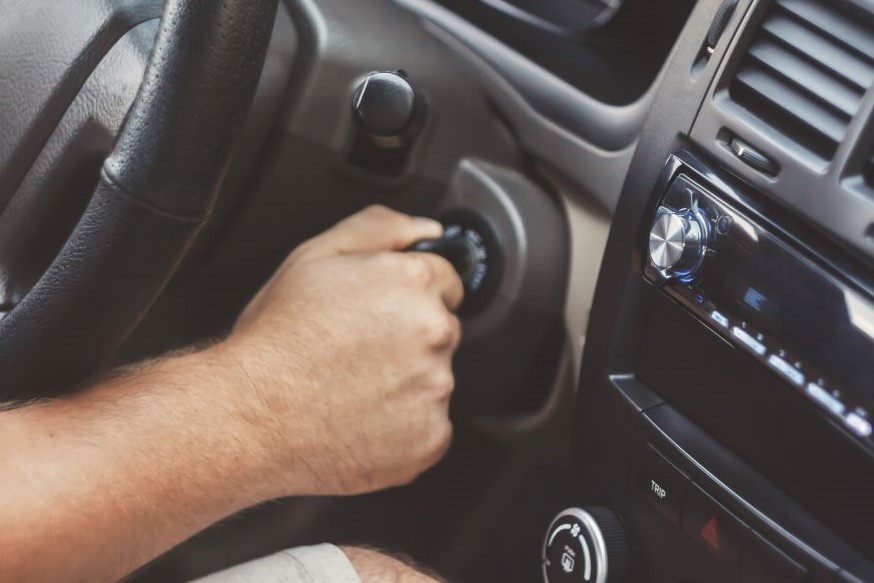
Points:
678	243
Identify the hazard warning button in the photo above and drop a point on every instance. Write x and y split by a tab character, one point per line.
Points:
707	521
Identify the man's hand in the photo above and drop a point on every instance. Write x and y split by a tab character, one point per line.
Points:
335	380
349	351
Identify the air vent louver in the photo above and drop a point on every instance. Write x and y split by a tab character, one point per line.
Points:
807	70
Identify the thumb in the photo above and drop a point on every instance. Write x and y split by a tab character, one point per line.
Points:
373	230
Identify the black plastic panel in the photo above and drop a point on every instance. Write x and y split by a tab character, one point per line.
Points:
806	72
616	65
568	16
795	87
760	417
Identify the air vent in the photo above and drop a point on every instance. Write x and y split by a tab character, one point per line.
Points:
868	170
807	69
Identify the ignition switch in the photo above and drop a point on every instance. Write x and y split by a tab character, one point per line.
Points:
470	247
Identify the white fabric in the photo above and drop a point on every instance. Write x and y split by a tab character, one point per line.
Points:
319	564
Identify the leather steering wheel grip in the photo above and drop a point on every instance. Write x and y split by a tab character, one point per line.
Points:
156	190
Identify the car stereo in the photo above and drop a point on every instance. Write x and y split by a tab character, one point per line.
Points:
785	308
761	333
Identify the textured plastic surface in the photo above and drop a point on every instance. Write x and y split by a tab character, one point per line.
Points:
796	89
620	568
720	22
155	191
753	158
49	51
531	236
587	140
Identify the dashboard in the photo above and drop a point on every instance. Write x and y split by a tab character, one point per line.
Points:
725	415
671	379
734	310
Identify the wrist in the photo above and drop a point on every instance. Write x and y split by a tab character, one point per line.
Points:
265	418
217	428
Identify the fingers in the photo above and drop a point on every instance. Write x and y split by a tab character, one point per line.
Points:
434	274
442	332
378	229
373	230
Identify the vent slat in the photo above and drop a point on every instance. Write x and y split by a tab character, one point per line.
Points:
807	71
841	27
839	60
786	98
807	78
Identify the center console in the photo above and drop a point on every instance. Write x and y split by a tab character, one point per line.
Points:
726	410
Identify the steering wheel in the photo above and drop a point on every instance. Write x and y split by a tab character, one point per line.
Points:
155	190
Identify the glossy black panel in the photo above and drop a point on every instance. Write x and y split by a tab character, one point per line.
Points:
787	308
761	418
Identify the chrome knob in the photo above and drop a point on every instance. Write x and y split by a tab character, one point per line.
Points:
678	242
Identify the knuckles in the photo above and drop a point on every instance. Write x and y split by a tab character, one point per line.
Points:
418	271
441	330
432	449
441	440
441	382
382	215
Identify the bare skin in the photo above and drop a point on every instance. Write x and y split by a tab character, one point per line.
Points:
335	381
375	567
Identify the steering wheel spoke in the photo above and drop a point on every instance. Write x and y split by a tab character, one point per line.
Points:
54	193
77	271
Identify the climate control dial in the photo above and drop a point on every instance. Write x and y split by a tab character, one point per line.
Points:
678	242
586	546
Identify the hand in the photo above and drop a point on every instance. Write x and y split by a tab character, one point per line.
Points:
349	352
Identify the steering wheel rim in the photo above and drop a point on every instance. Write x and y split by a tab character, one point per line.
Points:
156	190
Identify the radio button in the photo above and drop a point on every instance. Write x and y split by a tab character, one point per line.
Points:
860	426
661	483
787	370
747	339
826	399
719	318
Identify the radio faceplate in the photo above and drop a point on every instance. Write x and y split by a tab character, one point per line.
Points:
786	308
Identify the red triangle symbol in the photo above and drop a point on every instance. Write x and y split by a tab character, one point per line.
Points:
710	533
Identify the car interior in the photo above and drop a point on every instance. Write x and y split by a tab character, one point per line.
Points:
662	213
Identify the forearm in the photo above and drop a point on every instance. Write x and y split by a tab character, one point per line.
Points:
97	484
375	567
335	380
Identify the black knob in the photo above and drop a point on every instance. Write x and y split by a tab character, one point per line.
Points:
466	250
455	250
586	545
387	107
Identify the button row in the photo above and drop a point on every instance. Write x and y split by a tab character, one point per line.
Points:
787	370
858	420
747	339
861	425
701	517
